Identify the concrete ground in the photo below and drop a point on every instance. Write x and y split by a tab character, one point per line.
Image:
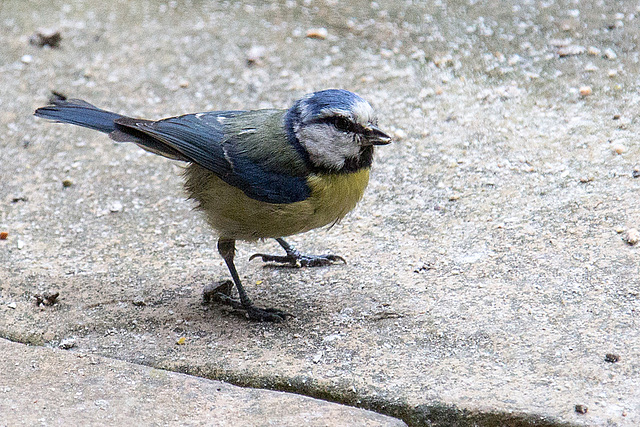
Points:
42	386
493	272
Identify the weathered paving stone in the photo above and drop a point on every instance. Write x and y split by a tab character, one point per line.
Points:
53	387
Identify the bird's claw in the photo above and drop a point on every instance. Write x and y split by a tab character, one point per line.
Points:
252	312
258	314
299	260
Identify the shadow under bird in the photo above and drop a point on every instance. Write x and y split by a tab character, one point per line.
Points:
258	174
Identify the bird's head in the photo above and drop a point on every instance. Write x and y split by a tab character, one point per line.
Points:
337	129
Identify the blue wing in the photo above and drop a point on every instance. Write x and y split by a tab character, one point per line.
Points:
248	150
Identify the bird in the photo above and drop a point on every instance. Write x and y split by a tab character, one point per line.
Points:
257	174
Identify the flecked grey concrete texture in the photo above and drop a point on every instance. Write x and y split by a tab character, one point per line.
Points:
488	273
42	386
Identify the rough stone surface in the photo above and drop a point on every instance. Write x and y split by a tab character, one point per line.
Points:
41	386
488	276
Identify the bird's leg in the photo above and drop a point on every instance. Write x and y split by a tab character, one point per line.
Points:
296	259
227	248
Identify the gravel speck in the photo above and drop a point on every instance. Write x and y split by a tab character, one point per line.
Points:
611	358
67	343
115	206
609	54
581	409
571	49
586	91
46	37
632	236
619	148
317	33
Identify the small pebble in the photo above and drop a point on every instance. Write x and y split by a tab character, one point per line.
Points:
67	343
213	291
560	42
317	33
181	341
571	49
594	51
581	409
619	148
399	134
46	298
443	61
4	235
12	305
139	302
18	198
609	53
67	183
612	73
611	358
255	55
632	236
636	173
585	91
184	84
46	37
27	59
115	206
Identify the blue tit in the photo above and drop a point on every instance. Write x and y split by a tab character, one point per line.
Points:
261	173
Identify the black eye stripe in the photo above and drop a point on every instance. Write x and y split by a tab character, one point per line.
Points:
343	124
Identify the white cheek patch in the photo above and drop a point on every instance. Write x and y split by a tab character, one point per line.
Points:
327	146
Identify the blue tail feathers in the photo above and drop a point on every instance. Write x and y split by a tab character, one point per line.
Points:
80	113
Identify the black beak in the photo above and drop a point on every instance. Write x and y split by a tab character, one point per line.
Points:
376	137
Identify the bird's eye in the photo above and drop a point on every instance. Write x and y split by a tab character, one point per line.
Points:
342	124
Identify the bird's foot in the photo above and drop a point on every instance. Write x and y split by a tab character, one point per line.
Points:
222	294
254	313
258	314
299	260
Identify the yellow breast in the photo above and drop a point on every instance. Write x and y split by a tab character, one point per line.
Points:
236	216
334	195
